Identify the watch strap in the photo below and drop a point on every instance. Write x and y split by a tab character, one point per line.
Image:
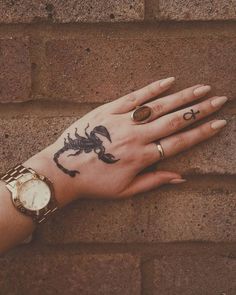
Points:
15	173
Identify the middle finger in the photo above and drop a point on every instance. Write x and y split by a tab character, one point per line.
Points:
171	102
175	121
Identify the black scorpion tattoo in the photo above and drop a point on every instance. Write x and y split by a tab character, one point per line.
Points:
82	144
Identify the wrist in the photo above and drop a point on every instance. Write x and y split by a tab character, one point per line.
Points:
43	164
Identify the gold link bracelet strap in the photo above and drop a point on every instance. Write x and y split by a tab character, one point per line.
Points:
15	173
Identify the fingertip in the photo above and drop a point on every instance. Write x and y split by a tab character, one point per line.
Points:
218	124
178	180
167	176
167	82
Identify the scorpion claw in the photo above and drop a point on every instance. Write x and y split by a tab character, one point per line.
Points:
102	131
108	158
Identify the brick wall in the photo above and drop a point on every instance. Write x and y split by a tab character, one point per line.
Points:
60	59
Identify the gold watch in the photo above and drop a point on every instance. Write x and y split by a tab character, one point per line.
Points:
32	194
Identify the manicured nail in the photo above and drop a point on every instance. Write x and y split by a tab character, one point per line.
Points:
202	90
219	101
177	180
218	124
167	82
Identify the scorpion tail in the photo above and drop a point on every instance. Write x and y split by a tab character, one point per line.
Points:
72	173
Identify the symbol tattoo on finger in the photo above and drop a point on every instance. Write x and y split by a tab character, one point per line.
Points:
190	115
85	144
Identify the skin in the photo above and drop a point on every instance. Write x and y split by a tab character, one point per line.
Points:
132	143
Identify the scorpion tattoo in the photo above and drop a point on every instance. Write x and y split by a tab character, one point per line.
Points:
85	144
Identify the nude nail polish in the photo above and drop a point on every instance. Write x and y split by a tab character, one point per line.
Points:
202	90
219	101
218	124
177	180
166	82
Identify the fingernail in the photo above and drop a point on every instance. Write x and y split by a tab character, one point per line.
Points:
218	124
177	180
202	90
219	101
166	82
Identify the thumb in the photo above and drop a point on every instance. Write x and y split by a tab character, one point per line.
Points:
151	180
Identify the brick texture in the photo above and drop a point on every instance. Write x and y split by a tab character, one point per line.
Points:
61	59
166	215
193	10
91	71
208	157
194	276
32	141
61	273
15	74
71	11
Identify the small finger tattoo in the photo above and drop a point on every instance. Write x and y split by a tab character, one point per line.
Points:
90	143
190	115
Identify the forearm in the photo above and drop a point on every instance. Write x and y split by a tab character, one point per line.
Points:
14	226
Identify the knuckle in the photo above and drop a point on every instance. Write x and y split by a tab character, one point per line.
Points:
205	110
174	123
203	131
183	95
131	99
152	89
180	142
158	108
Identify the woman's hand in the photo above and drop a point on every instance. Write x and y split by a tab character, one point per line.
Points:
103	154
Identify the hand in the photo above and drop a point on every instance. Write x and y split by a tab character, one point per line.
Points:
103	154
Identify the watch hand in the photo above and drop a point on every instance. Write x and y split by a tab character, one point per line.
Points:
33	201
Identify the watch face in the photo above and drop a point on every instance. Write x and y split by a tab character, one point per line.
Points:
34	194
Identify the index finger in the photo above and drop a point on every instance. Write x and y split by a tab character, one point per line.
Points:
138	97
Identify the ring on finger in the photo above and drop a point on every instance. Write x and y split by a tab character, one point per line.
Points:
141	114
160	150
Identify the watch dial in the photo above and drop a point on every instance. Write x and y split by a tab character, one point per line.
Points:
34	194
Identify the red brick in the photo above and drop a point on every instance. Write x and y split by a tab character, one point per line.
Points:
191	10
95	70
211	156
66	273
194	276
166	215
15	74
71	11
38	133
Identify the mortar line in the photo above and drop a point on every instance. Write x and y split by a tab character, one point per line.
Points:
168	29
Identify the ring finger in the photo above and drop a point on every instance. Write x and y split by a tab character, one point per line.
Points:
175	121
176	143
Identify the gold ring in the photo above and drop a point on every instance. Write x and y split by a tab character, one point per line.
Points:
141	114
160	149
